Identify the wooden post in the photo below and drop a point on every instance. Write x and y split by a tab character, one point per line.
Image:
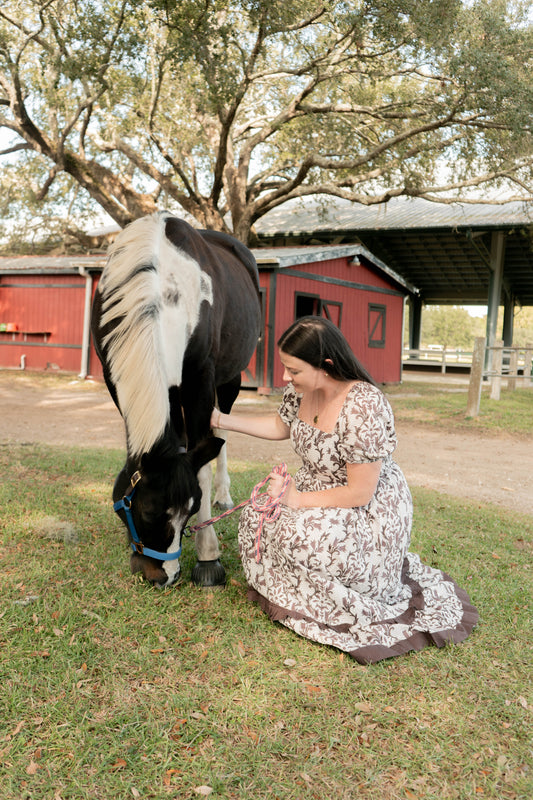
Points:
513	369
528	359
496	379
476	377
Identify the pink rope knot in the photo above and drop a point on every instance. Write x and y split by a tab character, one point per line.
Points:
269	508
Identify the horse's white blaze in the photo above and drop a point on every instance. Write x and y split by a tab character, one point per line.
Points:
172	566
159	309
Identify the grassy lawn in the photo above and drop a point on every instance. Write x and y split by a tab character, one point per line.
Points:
112	689
444	405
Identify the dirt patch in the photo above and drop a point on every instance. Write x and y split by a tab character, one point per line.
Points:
65	411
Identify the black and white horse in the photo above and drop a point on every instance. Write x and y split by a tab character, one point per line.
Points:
175	320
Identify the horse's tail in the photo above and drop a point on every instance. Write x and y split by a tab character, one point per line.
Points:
134	349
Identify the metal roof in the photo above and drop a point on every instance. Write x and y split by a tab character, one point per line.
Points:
444	250
281	257
284	257
37	265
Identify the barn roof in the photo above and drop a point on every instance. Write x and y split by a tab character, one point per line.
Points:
399	213
285	257
280	257
444	250
38	265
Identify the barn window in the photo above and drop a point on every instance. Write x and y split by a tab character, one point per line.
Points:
332	310
312	304
377	315
306	305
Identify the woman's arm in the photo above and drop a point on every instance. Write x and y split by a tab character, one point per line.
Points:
268	426
360	488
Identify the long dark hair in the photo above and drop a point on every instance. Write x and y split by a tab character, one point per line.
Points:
319	342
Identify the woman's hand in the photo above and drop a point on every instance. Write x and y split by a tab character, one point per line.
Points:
215	418
289	497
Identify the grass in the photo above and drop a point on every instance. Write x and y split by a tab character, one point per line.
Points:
112	689
444	405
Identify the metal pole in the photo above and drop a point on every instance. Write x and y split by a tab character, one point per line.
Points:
86	337
497	252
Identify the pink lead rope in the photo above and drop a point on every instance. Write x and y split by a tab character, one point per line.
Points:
268	507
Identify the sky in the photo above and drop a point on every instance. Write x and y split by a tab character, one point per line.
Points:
476	311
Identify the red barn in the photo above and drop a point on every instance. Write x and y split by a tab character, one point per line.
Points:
45	305
345	283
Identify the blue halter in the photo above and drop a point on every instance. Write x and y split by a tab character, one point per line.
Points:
137	546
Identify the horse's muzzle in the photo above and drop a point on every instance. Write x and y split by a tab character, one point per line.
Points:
151	571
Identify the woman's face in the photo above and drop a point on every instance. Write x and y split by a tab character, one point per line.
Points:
302	375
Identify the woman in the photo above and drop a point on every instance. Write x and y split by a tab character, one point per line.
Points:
335	566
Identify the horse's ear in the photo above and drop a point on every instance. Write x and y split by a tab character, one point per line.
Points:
205	451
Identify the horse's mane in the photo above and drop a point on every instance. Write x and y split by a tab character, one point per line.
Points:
148	336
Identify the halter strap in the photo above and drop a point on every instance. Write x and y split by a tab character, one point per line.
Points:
136	545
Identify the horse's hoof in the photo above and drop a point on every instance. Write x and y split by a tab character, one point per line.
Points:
209	574
223	506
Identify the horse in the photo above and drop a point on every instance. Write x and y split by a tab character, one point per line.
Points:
175	320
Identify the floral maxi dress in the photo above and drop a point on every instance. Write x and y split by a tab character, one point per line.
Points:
344	576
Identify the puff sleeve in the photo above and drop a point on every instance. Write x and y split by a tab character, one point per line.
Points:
366	428
290	405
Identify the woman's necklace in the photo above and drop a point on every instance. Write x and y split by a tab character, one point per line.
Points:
320	411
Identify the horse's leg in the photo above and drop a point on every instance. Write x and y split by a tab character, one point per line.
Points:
208	571
226	395
223	499
198	405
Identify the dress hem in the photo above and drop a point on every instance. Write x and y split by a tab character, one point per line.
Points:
370	654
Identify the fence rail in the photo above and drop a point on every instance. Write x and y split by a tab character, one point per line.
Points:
515	364
428	356
497	363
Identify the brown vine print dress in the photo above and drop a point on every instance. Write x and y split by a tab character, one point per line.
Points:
344	576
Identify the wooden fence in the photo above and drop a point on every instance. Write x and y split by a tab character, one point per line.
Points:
433	356
496	364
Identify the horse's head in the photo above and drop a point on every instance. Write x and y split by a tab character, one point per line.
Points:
155	501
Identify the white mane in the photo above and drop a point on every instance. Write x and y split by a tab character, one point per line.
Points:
155	291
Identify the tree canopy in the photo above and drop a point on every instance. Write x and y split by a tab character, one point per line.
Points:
450	326
454	327
226	109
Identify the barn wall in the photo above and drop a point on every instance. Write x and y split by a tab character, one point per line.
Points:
357	288
48	312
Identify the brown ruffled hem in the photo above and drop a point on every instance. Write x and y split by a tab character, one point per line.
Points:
373	653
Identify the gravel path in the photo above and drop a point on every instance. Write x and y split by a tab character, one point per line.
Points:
488	469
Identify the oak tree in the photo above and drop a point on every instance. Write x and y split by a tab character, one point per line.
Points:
226	109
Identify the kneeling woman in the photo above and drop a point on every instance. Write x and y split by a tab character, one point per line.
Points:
335	566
